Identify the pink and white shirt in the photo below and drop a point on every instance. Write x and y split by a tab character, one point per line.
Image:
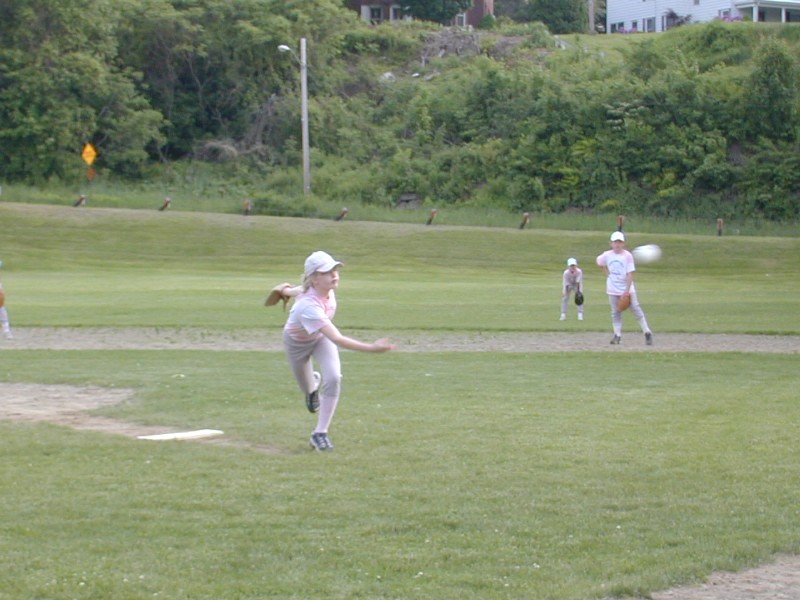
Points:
310	313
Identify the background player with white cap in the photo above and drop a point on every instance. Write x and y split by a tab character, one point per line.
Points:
572	282
309	334
619	267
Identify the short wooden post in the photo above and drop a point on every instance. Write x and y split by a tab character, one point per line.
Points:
434	212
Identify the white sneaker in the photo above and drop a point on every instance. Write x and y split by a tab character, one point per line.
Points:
563	317
580	316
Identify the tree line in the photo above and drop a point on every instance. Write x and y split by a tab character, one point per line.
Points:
699	121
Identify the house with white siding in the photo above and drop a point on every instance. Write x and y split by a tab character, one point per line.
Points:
379	11
627	16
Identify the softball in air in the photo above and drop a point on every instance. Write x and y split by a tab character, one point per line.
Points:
648	253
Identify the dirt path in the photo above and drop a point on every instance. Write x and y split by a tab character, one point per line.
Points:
43	338
779	580
71	405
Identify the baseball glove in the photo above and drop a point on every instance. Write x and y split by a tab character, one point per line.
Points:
578	298
624	302
276	295
2	298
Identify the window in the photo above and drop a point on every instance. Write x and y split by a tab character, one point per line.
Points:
375	14
618	27
650	24
397	13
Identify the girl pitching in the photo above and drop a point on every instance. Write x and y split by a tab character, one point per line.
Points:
309	334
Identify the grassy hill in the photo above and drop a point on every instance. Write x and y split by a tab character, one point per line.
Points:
89	267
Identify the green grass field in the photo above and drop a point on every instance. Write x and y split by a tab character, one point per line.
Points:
456	474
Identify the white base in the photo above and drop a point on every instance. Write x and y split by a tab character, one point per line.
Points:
182	435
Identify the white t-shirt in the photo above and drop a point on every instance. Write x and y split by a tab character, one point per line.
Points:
618	265
572	280
310	313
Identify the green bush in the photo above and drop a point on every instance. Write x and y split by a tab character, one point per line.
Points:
281	206
488	22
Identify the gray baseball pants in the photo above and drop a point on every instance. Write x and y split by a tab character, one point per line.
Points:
326	354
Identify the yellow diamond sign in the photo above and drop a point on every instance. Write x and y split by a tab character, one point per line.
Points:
89	154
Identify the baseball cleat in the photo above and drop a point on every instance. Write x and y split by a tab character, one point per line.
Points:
312	399
615	340
648	338
320	442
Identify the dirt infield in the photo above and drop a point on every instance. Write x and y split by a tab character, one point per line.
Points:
70	405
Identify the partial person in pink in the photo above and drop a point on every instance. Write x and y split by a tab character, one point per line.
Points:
620	268
5	324
310	335
571	283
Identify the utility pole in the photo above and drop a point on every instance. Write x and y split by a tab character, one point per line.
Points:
303	60
304	112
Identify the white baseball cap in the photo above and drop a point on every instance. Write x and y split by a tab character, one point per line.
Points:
571	261
617	236
320	262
